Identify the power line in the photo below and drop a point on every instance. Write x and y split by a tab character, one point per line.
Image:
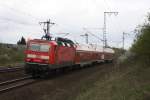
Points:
87	34
19	11
108	7
65	34
15	21
96	37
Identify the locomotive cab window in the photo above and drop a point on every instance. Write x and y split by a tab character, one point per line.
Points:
44	48
34	47
39	47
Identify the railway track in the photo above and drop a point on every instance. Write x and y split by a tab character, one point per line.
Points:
4	70
15	83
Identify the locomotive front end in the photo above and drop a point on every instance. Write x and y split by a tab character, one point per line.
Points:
37	57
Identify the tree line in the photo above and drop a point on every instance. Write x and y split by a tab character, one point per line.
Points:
141	45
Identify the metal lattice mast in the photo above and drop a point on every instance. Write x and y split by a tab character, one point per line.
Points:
104	28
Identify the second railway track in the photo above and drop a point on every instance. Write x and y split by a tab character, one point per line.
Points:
4	70
15	83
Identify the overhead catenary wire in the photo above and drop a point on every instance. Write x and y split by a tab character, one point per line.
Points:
107	5
15	21
88	33
19	13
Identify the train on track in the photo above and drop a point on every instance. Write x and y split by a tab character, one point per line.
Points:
43	56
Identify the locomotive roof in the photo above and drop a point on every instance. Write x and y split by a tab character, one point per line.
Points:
64	40
57	41
43	41
39	40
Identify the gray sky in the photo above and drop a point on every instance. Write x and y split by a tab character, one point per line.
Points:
20	18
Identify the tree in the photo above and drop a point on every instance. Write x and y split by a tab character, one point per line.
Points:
22	41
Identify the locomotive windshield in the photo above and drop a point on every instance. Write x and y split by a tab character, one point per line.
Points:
39	47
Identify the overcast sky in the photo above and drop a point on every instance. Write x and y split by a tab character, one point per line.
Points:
21	18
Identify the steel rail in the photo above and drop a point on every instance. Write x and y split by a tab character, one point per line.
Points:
15	83
15	86
15	80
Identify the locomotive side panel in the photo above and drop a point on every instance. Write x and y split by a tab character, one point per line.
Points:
64	55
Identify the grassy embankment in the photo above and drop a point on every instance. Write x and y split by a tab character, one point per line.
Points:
10	55
128	81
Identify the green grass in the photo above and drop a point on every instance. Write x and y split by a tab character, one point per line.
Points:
130	82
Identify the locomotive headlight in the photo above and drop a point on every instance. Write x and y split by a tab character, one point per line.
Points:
31	56
45	57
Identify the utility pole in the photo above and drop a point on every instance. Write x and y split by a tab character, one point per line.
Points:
123	38
47	30
104	28
86	37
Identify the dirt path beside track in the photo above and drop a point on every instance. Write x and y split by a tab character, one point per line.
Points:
60	87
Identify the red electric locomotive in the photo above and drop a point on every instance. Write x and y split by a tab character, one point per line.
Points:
45	55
